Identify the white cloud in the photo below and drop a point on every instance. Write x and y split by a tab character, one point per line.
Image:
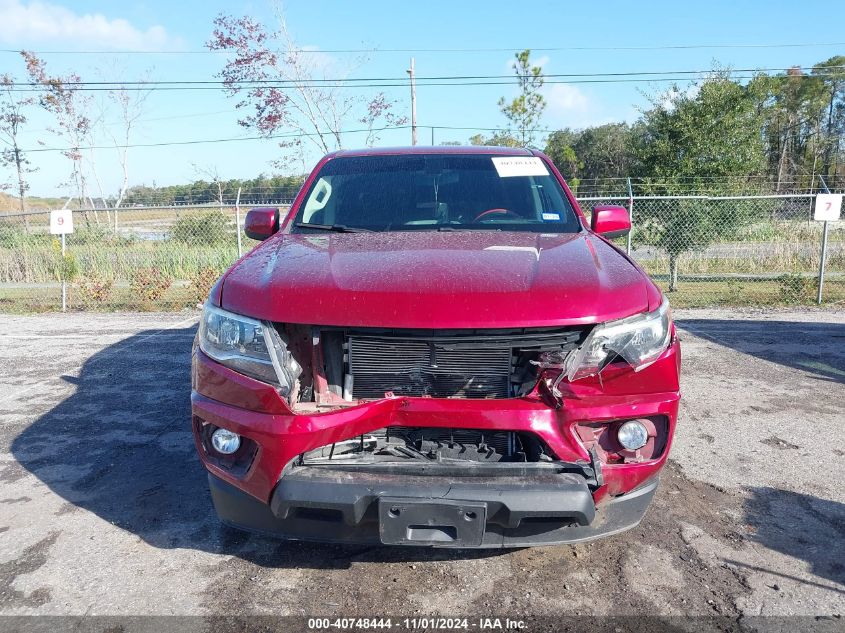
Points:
542	62
568	106
564	100
42	22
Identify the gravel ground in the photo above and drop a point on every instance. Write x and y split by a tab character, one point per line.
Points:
104	508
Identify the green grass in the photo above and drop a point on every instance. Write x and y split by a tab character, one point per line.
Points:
782	248
40	263
699	294
781	258
49	299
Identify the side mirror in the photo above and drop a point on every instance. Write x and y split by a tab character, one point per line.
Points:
261	223
610	221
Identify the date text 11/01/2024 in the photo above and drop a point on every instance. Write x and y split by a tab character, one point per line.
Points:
416	623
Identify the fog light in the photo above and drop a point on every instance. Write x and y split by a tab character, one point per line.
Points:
632	435
225	441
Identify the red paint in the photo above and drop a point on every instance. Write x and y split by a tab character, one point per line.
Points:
434	280
261	223
415	279
610	220
221	396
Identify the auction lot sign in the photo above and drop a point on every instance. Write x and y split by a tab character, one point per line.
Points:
828	207
61	222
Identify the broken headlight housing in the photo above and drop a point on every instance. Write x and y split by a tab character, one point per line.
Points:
639	340
248	346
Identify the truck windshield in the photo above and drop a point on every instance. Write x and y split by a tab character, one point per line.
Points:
436	192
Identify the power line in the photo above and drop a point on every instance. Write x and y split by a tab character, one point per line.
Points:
374	50
194	115
393	82
452	128
279	82
404	84
491	128
216	140
268	137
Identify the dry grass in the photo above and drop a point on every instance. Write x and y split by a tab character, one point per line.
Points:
744	271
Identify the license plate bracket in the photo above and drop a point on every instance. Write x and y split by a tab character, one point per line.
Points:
440	523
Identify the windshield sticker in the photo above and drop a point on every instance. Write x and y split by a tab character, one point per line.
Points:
551	217
508	166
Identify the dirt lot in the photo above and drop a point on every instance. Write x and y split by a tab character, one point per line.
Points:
104	508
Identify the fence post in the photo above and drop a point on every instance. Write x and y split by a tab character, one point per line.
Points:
238	222
630	213
64	266
824	250
64	277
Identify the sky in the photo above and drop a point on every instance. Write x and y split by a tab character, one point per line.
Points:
167	39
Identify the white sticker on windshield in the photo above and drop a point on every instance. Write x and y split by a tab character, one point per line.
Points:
508	166
551	216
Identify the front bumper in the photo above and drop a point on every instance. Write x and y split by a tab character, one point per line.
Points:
268	493
317	505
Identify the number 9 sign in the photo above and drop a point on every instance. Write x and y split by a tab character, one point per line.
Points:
61	221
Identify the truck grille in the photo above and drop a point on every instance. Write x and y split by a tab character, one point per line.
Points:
429	368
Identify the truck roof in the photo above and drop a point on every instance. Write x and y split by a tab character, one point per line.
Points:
434	149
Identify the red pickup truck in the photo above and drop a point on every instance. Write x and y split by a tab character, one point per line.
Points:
434	347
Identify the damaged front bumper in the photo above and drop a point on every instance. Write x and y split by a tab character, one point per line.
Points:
437	511
586	492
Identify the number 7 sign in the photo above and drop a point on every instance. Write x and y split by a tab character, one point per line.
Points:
828	207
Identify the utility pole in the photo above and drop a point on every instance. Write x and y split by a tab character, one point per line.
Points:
410	72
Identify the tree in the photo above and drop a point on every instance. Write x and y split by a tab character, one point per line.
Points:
598	158
70	109
213	175
606	151
379	112
832	74
130	107
12	117
792	106
526	110
560	148
496	139
709	138
284	87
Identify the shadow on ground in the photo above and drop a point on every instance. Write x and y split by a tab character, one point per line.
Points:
808	528
121	447
816	348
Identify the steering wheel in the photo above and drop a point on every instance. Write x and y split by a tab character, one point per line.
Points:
497	211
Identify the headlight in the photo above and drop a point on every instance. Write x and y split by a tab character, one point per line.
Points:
248	346
639	340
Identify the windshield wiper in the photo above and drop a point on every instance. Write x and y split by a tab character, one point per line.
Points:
339	228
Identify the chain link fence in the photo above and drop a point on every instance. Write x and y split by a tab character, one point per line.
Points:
138	258
737	250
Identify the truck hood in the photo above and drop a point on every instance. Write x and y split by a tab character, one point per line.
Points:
436	280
